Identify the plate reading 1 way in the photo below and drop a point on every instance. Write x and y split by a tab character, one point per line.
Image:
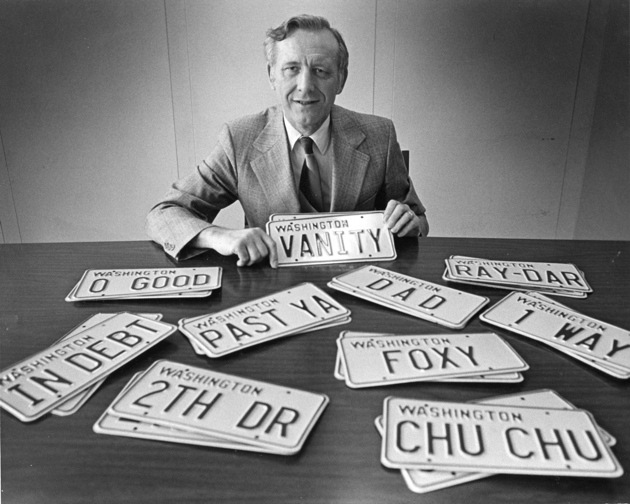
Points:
561	327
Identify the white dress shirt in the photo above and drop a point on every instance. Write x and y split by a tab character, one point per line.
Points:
323	155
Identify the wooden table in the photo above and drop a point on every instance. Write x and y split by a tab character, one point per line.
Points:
60	459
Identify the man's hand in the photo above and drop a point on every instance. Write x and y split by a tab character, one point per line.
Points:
402	221
250	245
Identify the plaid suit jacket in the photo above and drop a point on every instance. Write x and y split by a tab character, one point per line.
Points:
251	163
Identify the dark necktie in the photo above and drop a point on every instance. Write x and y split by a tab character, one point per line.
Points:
310	184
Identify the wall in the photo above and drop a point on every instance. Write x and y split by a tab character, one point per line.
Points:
605	203
493	87
85	117
504	106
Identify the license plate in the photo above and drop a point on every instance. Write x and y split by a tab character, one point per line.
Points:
129	427
74	403
423	481
419	298
222	405
280	217
388	360
494	438
526	274
145	282
513	377
37	385
561	328
333	238
286	312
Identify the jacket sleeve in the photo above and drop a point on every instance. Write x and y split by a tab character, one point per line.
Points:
398	185
193	202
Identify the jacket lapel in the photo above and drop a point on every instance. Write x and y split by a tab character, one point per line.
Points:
350	165
273	166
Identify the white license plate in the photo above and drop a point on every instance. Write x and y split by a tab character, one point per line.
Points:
419	298
561	327
494	438
423	481
130	427
146	282
523	273
37	385
332	238
222	405
388	360
74	403
286	312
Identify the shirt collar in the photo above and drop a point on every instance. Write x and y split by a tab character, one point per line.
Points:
321	137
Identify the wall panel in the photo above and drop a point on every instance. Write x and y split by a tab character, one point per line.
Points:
483	98
604	211
86	116
9	228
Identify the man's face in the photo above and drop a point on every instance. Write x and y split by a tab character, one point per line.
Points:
306	78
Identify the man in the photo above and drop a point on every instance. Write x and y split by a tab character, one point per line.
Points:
353	162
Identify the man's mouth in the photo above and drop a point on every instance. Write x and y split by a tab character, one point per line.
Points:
305	102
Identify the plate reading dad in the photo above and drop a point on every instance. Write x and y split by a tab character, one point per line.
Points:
413	296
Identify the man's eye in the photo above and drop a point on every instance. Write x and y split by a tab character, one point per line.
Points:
292	70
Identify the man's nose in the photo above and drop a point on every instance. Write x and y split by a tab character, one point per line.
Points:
305	81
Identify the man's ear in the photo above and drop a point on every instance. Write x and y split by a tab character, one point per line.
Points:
342	82
270	76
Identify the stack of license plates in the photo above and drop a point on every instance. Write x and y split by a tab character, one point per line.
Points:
375	360
436	303
600	345
302	308
558	279
438	444
146	283
61	378
303	239
186	404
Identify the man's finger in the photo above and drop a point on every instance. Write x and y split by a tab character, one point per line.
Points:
399	218
271	248
243	256
389	209
410	228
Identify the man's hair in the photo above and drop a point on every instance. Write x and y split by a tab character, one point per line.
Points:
309	23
